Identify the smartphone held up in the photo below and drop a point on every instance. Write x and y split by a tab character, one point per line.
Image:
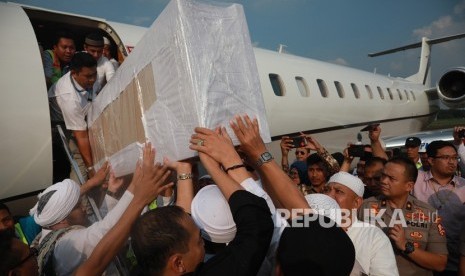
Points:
299	141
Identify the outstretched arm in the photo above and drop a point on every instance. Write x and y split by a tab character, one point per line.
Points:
147	183
277	182
185	186
345	167
376	146
96	180
313	144
83	144
217	151
286	146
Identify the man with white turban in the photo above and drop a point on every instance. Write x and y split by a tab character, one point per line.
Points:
65	241
373	250
59	210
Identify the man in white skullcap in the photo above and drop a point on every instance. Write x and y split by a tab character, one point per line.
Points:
325	205
107	52
211	213
373	250
65	241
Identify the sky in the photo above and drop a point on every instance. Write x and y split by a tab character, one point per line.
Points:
338	31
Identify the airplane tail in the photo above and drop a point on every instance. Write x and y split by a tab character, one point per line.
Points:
424	69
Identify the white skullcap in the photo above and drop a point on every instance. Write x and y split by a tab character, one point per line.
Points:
56	203
212	214
106	41
324	205
352	182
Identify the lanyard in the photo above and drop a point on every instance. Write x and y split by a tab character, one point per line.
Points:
89	93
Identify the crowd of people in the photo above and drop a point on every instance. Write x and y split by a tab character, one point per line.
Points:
318	215
389	216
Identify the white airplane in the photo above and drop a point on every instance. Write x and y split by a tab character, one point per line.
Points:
301	95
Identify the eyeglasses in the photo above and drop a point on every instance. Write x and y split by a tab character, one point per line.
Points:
448	158
33	252
299	153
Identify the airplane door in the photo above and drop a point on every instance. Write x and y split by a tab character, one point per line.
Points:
25	139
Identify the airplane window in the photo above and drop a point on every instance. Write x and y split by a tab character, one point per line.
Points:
276	83
406	95
400	94
340	89
413	95
390	93
356	92
370	93
380	91
323	88
303	88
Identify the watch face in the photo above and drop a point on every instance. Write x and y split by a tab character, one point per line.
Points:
409	247
266	156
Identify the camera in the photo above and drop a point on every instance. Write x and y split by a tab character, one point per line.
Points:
357	151
299	142
461	133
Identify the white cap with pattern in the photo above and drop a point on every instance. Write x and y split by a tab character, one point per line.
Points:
324	205
352	182
212	214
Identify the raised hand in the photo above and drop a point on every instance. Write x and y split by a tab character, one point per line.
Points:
286	145
247	131
312	143
149	178
457	139
374	133
397	234
115	184
216	144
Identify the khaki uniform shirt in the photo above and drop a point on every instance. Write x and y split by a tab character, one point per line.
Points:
424	229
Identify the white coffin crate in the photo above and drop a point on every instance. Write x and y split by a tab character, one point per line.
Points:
195	66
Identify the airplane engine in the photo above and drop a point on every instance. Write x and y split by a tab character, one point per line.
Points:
451	88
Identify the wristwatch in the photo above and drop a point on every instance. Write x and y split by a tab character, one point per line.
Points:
264	158
409	248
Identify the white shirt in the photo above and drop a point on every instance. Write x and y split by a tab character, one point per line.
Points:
373	249
115	63
107	205
76	246
105	71
73	101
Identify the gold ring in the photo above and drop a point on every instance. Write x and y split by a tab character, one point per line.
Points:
200	142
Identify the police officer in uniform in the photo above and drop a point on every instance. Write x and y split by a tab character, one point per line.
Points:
417	236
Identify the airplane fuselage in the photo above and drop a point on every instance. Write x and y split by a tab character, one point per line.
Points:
329	101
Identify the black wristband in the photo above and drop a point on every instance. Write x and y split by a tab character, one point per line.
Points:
234	167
